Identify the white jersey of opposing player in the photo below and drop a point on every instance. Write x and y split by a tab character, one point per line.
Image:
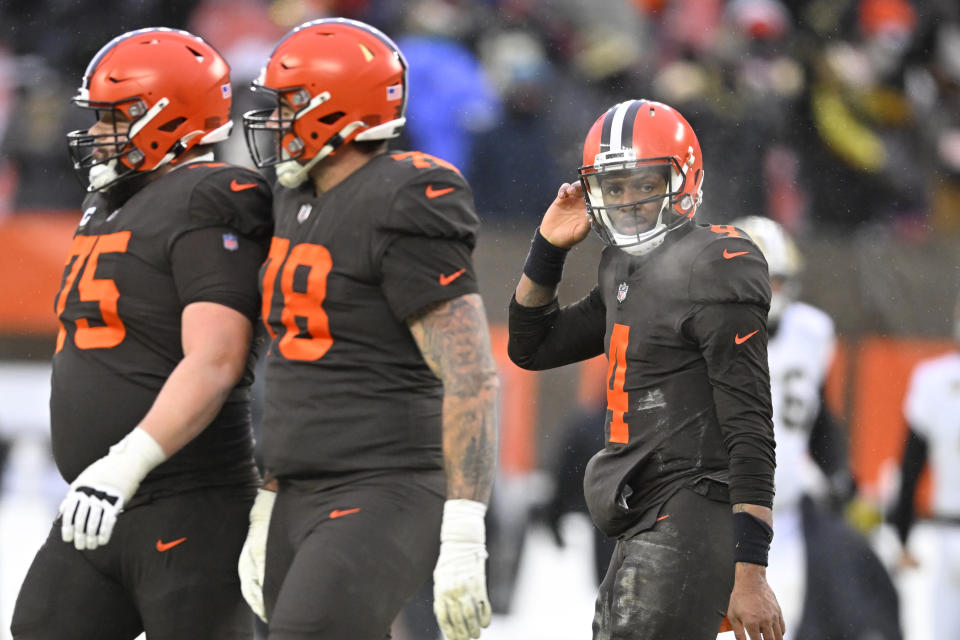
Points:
932	408
800	354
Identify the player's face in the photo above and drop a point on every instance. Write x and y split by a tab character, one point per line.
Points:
110	131
642	187
285	112
282	120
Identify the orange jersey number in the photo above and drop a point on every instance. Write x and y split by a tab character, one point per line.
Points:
422	160
617	401
726	229
306	305
82	262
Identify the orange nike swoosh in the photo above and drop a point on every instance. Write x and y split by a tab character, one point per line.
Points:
436	193
241	186
337	513
740	340
663	517
163	546
728	255
445	280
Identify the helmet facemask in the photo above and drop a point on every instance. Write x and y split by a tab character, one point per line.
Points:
635	226
107	158
272	136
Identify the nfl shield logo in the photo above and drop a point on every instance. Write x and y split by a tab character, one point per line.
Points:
230	242
622	291
304	212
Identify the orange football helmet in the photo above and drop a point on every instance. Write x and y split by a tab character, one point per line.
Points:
173	89
334	80
635	136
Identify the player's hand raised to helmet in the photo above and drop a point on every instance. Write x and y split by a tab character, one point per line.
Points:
566	221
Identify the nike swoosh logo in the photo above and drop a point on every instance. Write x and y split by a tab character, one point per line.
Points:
663	517
241	186
740	340
445	280
164	546
436	193
337	513
728	255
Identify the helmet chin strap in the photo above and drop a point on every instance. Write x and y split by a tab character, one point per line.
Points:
102	176
291	174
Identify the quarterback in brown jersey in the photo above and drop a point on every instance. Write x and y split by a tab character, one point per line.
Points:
685	478
380	425
150	397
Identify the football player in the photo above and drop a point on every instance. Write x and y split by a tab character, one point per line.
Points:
380	425
685	478
828	580
931	410
150	396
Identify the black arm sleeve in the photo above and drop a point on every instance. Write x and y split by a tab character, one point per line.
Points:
217	264
830	450
733	341
547	337
914	459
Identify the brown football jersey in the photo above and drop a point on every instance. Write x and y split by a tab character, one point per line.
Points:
347	388
196	234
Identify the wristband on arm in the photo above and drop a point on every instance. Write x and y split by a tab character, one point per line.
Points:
544	263
751	538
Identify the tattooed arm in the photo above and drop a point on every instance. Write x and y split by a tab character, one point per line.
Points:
455	342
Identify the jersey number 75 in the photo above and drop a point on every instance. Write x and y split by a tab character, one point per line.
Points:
81	268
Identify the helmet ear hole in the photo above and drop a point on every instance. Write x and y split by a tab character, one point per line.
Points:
331	118
172	125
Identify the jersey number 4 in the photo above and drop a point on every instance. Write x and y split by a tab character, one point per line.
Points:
306	328
81	268
617	400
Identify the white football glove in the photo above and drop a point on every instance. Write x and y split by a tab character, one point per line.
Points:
460	599
97	496
253	555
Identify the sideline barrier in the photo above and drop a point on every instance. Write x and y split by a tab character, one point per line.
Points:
865	387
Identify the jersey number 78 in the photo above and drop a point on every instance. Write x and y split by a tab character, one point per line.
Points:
312	342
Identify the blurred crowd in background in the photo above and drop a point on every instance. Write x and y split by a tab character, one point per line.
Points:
822	114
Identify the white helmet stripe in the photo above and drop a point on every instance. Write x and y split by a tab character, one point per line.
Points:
616	130
137	126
